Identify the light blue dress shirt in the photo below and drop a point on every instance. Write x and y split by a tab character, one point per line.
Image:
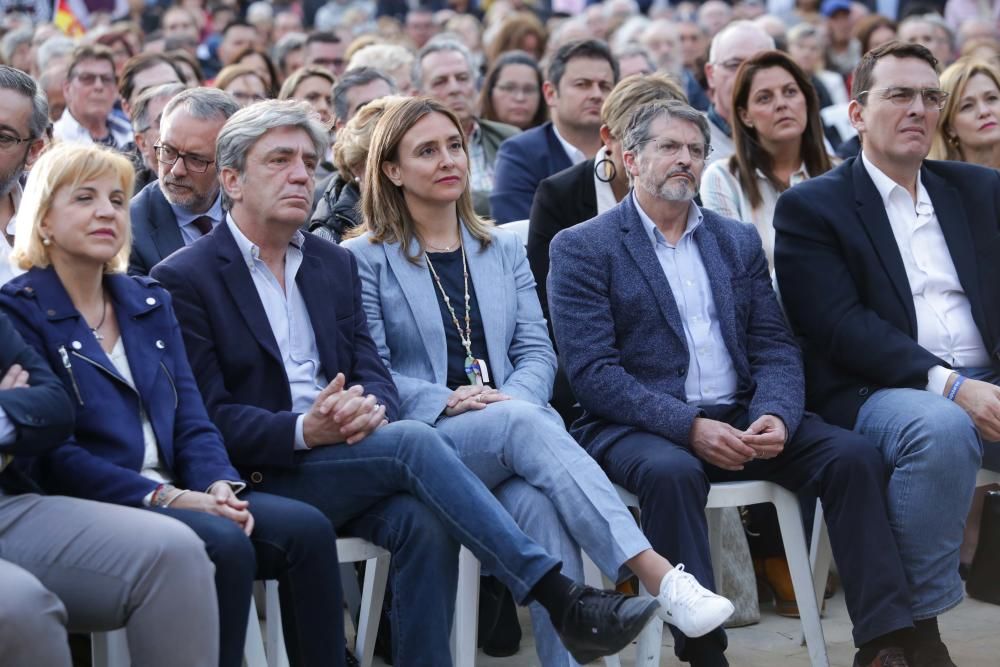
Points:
185	218
289	319
711	377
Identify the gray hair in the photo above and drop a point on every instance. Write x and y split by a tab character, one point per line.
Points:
19	82
632	50
935	21
438	44
293	41
249	124
52	48
637	130
14	39
352	79
140	108
203	103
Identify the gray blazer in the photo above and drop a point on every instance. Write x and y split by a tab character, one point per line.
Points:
401	305
622	340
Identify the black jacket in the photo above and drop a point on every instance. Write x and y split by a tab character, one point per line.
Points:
337	209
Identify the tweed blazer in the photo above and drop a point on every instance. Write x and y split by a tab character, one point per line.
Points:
622	341
401	306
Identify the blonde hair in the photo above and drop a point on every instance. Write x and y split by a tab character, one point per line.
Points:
66	165
632	92
354	139
954	79
383	207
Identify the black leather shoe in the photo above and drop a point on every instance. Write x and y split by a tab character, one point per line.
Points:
599	623
887	657
929	654
350	660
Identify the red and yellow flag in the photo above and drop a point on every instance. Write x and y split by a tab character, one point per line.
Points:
66	20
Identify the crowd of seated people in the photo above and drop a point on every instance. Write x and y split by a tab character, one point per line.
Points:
256	293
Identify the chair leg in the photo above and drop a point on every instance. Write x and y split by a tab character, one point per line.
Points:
647	650
466	610
110	649
277	656
792	534
376	576
714	516
820	557
352	593
253	645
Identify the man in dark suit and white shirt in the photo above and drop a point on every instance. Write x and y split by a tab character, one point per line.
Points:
185	203
580	76
889	269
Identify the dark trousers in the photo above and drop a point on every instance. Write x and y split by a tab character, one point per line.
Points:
843	468
292	542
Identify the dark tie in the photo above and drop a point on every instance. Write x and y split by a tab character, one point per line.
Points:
203	224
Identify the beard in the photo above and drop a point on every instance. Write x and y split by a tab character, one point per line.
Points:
669	188
189	199
10	179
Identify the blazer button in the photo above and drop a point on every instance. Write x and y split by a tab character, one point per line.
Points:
863	391
681	372
256	477
160	345
151	301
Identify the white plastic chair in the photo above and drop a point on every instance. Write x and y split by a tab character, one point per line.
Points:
986	477
519	227
110	649
466	623
808	587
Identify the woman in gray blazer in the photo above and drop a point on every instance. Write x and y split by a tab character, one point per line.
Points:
451	304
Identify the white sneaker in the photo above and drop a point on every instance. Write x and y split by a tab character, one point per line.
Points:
688	606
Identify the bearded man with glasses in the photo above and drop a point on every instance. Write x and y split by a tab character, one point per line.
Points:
90	90
889	270
185	202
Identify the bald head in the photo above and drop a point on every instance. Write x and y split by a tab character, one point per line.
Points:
734	44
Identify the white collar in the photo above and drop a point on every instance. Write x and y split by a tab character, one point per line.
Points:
575	155
695	218
886	186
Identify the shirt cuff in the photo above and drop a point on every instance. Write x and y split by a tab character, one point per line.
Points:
235	486
300	438
937	378
147	500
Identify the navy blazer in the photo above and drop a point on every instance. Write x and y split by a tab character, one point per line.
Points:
155	233
845	288
102	459
621	339
233	351
522	162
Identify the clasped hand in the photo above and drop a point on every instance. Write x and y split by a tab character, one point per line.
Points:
981	400
729	448
220	500
341	415
472	397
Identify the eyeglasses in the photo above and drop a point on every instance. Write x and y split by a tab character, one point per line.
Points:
89	78
168	155
8	141
515	90
669	148
903	96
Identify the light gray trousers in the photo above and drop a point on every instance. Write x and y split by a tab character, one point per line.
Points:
77	565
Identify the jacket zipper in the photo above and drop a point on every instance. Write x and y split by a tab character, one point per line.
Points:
172	385
69	370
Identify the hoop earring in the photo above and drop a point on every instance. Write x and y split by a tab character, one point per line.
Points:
600	170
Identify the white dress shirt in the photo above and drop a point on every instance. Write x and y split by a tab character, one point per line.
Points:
945	326
575	155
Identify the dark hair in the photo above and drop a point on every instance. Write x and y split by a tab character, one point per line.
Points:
515	28
359	76
112	37
272	73
138	64
323	37
584	48
236	23
863	79
493	75
190	61
89	52
750	155
866	27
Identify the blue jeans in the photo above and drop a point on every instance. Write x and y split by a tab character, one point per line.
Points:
932	451
554	490
293	543
404	488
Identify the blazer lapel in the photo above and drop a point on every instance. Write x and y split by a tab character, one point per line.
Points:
236	277
166	234
486	270
951	216
641	249
875	221
419	291
312	282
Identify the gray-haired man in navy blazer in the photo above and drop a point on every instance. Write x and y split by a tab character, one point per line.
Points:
675	346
